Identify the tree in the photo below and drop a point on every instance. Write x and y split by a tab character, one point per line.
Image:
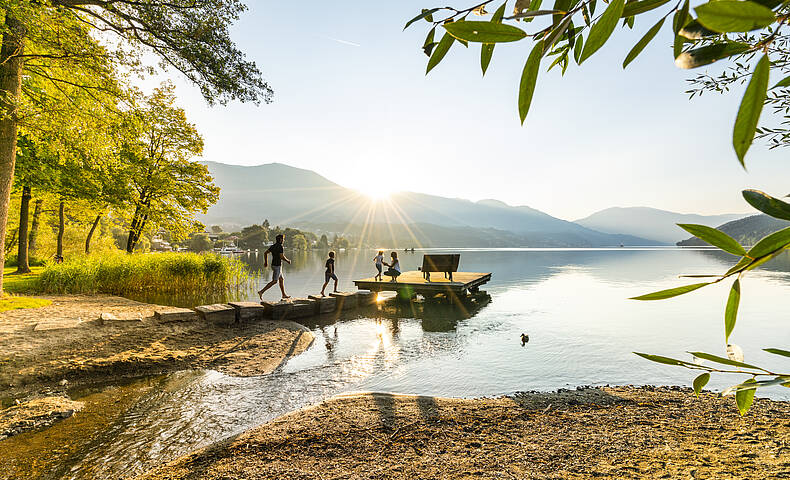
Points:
299	242
216	229
48	40
323	242
166	188
200	242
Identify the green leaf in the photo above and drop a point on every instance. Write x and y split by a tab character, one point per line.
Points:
742	264
529	78
665	360
534	13
700	382
424	14
744	398
642	43
767	204
785	82
695	31
778	351
731	312
577	49
485	32
440	51
428	45
499	14
707	55
555	34
723	360
734	15
486	52
534	6
681	18
677	46
669	293
717	238
770	243
601	30
641	6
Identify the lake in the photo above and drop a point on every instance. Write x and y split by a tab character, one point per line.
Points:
573	304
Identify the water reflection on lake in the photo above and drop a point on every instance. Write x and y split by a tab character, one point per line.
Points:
572	303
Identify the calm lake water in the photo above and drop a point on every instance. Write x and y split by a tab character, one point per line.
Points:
572	303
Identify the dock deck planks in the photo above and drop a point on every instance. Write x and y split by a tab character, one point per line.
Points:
413	280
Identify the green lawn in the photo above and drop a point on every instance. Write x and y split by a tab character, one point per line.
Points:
20	283
13	302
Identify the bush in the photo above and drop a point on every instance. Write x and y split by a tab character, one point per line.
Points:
10	261
120	273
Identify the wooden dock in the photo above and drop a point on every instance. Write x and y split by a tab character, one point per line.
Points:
414	282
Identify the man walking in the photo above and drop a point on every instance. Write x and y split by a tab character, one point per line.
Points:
277	263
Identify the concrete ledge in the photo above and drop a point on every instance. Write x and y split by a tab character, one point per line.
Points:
345	300
175	314
248	311
57	324
217	313
324	304
293	308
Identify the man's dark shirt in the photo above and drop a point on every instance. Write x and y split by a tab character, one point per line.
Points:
330	261
276	251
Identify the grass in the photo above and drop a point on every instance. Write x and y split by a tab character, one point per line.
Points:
25	283
13	302
120	273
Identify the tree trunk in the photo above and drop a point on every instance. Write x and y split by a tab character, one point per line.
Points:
10	84
90	234
24	214
31	244
61	227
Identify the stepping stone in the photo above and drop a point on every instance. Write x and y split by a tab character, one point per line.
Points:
175	314
324	304
365	297
107	317
57	324
345	300
293	308
218	313
248	311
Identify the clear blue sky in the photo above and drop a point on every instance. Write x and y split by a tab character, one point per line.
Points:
352	103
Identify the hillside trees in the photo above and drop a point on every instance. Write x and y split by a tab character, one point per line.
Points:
166	189
55	42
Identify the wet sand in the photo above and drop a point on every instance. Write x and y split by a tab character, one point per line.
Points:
36	363
619	432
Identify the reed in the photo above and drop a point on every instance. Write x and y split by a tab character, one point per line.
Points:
120	273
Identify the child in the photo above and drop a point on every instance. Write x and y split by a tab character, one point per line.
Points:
394	267
379	259
330	272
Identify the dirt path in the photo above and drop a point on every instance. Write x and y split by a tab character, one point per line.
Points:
77	347
592	433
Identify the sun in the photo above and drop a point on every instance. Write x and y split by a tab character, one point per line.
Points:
376	193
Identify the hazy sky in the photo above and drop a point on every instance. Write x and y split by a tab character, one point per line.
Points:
352	102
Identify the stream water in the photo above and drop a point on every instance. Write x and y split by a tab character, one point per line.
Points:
573	304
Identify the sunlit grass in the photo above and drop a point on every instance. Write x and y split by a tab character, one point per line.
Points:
14	302
120	273
13	283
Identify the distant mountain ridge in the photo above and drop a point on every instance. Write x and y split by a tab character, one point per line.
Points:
652	223
296	197
747	231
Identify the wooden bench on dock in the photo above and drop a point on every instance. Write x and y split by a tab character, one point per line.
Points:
446	263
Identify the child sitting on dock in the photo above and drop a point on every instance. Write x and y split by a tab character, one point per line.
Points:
330	272
394	267
379	259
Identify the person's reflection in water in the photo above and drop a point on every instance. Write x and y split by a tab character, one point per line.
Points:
329	342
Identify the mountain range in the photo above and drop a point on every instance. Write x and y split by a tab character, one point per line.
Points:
747	231
651	223
290	196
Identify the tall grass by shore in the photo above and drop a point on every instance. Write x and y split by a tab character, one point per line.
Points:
120	273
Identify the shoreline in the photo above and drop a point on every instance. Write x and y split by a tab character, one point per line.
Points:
84	349
609	432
